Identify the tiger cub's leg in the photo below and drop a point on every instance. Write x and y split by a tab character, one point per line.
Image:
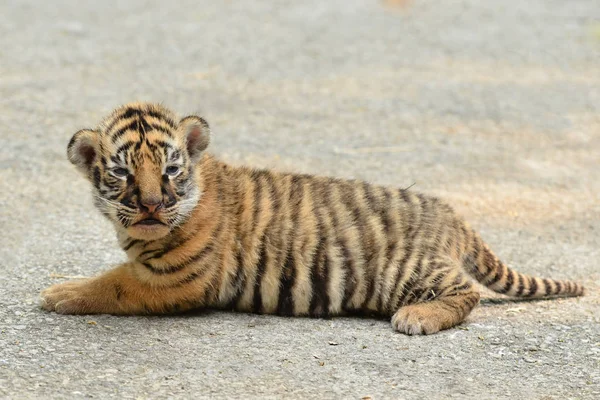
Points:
444	306
118	292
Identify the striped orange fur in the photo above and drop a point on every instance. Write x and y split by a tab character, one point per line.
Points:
200	233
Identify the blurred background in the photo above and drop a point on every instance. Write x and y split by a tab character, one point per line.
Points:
492	105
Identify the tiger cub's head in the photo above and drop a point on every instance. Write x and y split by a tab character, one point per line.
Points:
142	161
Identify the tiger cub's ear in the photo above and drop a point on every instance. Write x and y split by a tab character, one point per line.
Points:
83	149
197	135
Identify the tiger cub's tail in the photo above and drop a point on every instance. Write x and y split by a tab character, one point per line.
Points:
482	264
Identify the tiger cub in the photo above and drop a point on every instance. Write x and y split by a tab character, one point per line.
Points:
200	233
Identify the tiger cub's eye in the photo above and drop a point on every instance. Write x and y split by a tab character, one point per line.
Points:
120	172
172	170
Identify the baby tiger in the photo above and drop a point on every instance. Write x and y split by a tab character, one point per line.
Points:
200	233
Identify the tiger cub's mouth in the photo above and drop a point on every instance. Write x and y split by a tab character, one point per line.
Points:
149	228
149	221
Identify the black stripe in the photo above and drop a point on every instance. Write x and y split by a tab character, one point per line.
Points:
436	280
156	152
521	287
116	197
183	183
221	188
240	278
150	253
372	202
386	218
161	129
472	301
348	200
285	303
510	280
273	194
453	238
402	270
559	287
195	274
262	260
140	126
165	150
499	274
476	265
466	238
319	277
547	286
239	281
178	267
533	288
260	270
462	287
411	231
400	273
161	117
132	126
414	278
97	177
125	146
492	266
370	273
128	112
319	302
349	282
257	202
112	124
115	120
392	240
376	282
348	263
132	243
408	238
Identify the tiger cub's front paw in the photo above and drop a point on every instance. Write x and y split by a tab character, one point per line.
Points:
75	297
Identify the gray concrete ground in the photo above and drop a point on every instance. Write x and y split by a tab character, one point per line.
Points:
492	105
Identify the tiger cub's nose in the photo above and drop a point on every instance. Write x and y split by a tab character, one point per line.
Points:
151	205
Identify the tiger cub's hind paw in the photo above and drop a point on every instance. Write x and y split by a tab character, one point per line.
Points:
413	320
433	316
